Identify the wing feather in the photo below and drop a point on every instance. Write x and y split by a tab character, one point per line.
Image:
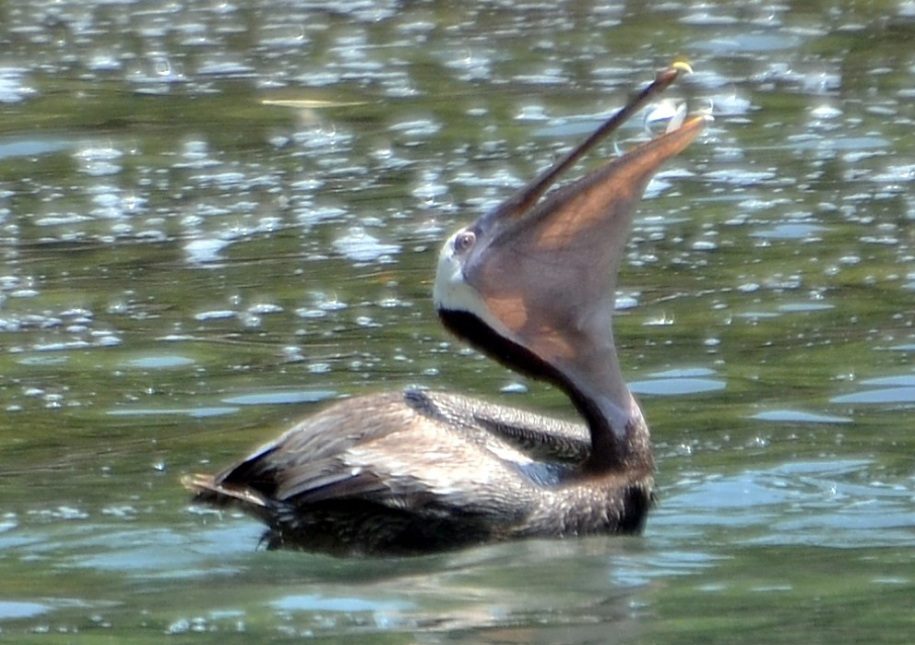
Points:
403	449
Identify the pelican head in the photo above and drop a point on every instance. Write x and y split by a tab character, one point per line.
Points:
532	282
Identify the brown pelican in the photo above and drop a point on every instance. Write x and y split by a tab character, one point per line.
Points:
531	284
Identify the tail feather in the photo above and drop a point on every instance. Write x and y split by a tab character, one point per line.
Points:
207	490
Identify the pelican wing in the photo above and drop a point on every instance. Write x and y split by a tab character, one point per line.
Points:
538	437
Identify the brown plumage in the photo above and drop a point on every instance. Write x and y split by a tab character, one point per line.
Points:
531	284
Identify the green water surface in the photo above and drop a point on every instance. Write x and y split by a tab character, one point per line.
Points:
215	217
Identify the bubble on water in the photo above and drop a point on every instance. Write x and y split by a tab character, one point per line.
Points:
105	338
903	174
306	312
262	308
740	176
205	250
215	314
309	214
730	105
429	189
366	321
358	245
748	287
471	64
825	111
516	387
120	511
62	512
99	160
180	626
708	18
626	301
104	62
532	113
547	75
704	245
57	346
307	185
418	128
221	65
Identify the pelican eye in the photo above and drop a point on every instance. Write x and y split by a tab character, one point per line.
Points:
464	240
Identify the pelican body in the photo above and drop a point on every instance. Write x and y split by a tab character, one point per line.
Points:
531	284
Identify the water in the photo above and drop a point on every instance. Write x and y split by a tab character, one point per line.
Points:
216	217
